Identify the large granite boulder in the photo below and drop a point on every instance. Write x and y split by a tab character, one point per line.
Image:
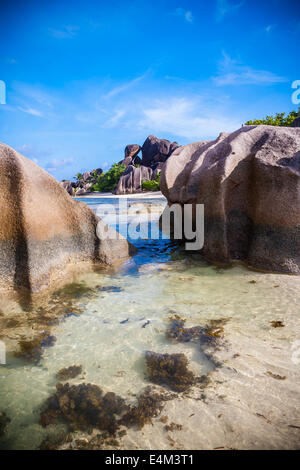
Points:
81	192
131	155
43	230
86	175
156	150
137	160
132	150
132	179
127	161
249	184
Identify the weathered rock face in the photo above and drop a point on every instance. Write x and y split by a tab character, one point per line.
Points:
156	150
127	161
132	150
83	191
42	229
249	183
296	122
131	155
132	179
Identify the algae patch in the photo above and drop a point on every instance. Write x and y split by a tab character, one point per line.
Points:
85	407
67	373
210	333
4	421
170	370
32	349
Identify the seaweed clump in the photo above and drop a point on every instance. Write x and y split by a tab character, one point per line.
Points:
4	420
67	373
173	427
277	324
169	369
84	406
150	404
32	349
74	290
210	333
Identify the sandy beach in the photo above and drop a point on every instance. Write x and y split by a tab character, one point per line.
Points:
143	195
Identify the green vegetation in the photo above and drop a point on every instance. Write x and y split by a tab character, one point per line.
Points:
152	185
278	120
78	176
108	180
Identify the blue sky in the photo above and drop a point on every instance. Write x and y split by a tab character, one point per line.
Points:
84	79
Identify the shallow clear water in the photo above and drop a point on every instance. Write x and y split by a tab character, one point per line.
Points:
127	313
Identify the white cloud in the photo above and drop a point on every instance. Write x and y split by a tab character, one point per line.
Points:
225	8
32	151
231	72
66	32
57	163
186	14
185	117
32	111
115	119
119	89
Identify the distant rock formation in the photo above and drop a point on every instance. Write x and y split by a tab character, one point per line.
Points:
296	122
43	230
132	179
156	150
83	185
249	184
132	150
154	153
68	187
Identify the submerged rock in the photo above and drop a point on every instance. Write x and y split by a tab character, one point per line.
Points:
170	370
248	182
43	230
